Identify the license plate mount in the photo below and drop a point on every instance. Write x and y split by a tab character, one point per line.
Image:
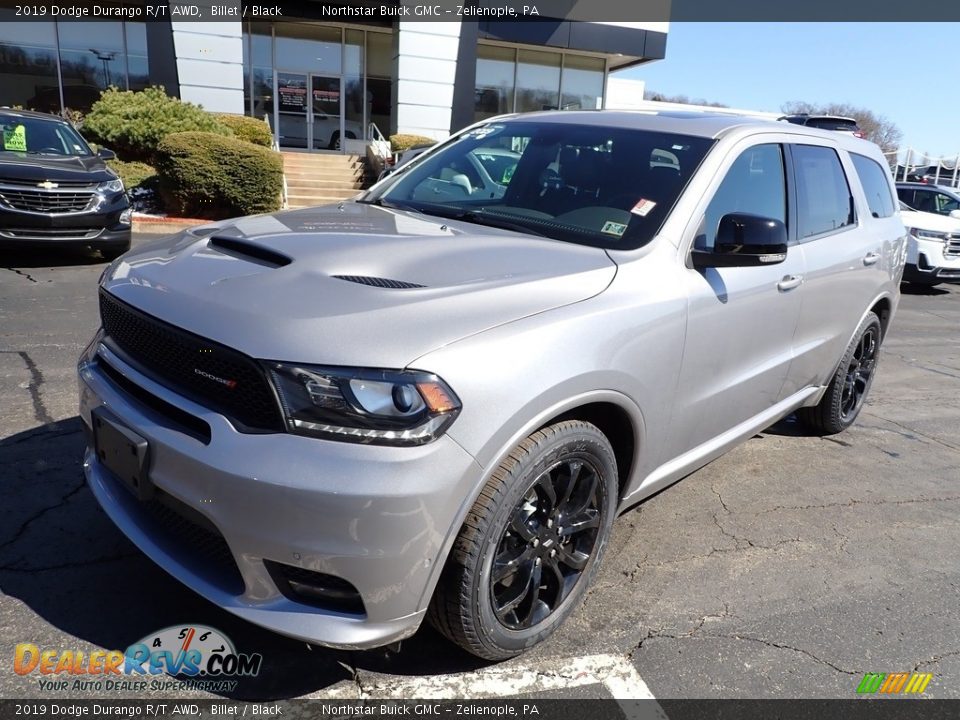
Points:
123	452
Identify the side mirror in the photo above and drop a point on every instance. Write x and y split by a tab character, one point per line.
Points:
745	240
105	154
955	214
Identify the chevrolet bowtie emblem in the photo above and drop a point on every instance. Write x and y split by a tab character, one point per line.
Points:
47	185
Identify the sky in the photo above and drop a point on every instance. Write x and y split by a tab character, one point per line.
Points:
903	71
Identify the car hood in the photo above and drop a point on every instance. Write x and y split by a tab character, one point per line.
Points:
929	221
267	285
72	168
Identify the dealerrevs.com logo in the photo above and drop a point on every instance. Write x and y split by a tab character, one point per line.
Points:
198	656
894	683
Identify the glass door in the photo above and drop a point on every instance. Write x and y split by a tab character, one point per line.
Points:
326	110
293	111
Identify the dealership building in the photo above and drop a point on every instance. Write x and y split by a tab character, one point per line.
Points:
319	82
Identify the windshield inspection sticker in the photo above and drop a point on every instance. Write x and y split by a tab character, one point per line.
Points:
613	228
15	139
643	207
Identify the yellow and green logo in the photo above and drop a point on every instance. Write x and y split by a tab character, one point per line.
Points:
894	683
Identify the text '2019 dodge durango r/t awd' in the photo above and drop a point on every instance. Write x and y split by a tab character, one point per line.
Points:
433	400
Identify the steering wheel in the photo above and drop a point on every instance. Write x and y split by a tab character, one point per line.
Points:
550	180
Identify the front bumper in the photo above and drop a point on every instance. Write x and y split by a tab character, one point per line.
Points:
927	262
377	517
101	227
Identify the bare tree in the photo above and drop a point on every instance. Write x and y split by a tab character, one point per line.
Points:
877	128
683	99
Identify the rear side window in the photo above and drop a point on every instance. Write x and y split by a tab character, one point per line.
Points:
875	185
824	203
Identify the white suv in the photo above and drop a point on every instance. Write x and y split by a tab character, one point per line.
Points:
933	252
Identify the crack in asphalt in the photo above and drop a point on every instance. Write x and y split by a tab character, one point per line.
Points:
852	502
912	362
931	438
781	646
935	659
28	276
36	381
39	514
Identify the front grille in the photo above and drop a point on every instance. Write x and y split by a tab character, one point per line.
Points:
952	246
61	184
51	233
195	541
197	368
53	202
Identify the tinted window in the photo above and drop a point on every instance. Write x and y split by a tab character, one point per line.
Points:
823	195
754	184
925	201
876	186
906	195
579	182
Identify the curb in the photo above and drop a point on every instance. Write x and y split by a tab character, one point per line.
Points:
154	223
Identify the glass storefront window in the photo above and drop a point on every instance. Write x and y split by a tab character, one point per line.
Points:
582	83
353	109
538	81
314	48
28	64
138	71
91	60
494	88
380	80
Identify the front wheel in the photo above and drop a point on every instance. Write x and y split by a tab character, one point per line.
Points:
848	389
531	543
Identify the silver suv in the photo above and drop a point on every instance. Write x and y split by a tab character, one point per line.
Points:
432	401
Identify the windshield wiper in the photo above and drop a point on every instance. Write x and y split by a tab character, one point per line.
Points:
481	216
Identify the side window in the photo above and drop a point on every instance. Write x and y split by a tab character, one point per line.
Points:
946	204
924	201
754	184
876	186
905	196
823	195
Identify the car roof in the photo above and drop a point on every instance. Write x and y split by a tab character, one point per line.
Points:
700	124
30	114
929	186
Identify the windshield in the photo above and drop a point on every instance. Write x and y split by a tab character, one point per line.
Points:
40	136
601	186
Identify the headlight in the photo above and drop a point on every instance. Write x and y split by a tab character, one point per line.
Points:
382	407
113	186
922	234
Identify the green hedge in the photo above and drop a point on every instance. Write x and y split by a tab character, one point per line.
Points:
246	128
206	175
134	174
399	143
133	124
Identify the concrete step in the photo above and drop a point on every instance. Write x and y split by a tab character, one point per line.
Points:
328	194
318	185
320	175
308	159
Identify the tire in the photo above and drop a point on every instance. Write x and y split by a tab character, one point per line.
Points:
112	252
512	519
844	398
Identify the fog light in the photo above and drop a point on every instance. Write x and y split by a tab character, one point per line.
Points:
125	216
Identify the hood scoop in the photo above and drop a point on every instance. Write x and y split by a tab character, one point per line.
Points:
250	251
379	282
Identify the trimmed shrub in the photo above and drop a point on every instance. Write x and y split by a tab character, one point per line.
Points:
399	143
133	124
206	175
249	129
134	174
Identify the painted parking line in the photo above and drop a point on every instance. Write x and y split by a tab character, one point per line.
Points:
615	672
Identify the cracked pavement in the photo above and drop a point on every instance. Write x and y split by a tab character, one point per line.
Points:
787	568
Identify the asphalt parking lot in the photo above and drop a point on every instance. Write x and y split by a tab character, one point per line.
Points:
788	568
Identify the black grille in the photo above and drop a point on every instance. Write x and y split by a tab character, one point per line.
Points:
34	184
379	282
208	373
47	201
195	541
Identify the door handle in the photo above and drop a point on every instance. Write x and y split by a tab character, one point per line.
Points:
871	258
789	282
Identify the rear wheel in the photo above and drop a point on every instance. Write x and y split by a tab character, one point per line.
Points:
531	543
848	389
